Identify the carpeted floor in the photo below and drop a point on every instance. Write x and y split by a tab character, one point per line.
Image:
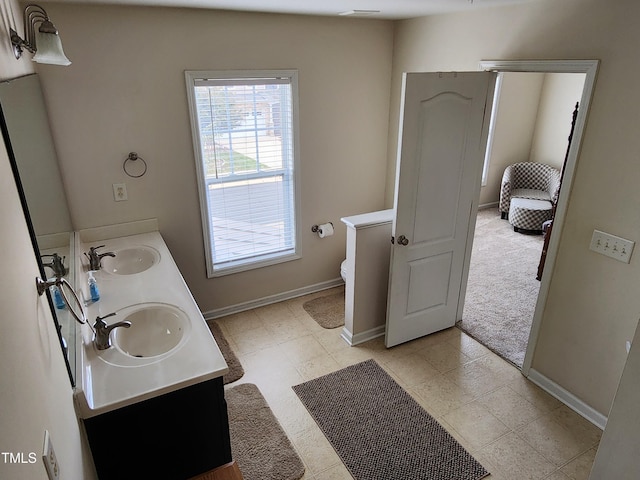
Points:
502	289
258	443
379	431
235	367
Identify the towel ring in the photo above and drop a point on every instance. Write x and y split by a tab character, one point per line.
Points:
133	156
60	283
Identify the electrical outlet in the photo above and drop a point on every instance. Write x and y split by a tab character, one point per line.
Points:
120	192
612	246
49	458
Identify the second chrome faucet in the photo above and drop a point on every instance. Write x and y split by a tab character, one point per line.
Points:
95	257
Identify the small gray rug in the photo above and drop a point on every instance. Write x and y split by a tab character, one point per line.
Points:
235	367
259	445
380	432
327	311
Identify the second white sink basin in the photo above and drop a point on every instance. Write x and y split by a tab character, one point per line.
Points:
129	261
156	329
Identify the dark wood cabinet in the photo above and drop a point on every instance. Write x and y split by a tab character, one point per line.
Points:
175	436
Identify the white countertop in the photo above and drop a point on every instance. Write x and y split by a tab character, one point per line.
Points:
370	219
110	379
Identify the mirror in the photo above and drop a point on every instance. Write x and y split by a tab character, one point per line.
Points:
27	136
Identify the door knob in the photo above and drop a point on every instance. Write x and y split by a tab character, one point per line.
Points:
402	240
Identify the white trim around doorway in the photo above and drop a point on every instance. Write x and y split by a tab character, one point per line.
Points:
590	69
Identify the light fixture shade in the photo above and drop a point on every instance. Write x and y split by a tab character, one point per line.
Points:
49	49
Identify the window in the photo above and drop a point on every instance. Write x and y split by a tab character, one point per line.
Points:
244	127
492	127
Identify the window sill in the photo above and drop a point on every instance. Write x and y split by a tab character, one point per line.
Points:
243	266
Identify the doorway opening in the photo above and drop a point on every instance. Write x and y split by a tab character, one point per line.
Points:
532	122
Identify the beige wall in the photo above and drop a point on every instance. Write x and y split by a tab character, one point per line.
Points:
11	17
35	392
560	93
125	91
515	120
533	121
591	309
618	455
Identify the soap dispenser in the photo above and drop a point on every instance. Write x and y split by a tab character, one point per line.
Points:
57	297
94	293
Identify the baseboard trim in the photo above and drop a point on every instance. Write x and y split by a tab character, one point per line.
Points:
488	205
261	302
568	398
362	337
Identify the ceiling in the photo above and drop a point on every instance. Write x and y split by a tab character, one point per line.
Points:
384	9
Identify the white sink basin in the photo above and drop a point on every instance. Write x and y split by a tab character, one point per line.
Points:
129	261
156	329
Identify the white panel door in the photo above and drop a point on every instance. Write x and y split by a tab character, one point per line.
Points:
443	134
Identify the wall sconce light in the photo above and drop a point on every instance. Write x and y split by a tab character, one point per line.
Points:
44	42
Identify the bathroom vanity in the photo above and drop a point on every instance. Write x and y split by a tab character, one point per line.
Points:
177	435
152	403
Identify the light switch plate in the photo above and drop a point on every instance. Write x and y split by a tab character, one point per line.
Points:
612	246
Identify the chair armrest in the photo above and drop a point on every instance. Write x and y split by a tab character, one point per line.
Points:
505	189
554	185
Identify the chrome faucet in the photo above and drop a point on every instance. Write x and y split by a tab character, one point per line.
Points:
95	257
102	337
56	264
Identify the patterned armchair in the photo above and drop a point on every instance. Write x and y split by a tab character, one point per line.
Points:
529	180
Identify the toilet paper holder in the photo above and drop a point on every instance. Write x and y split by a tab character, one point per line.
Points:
315	228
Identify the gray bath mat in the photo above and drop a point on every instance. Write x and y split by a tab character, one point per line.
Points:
380	432
327	311
235	367
258	442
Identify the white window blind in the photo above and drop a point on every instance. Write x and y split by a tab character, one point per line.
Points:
244	138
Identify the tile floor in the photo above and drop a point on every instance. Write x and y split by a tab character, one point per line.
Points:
516	430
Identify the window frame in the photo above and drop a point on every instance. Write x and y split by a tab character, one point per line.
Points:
191	76
492	127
